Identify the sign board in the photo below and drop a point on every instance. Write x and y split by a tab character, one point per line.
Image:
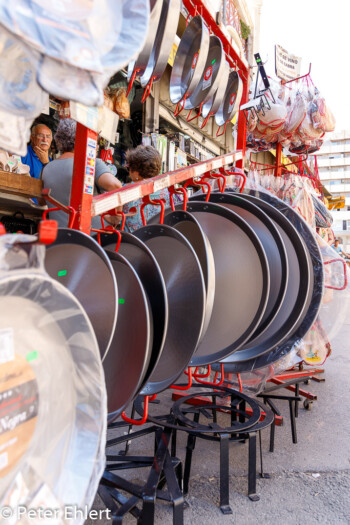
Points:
287	66
107	124
88	116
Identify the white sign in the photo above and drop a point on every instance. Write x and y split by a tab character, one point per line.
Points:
287	66
107	124
87	116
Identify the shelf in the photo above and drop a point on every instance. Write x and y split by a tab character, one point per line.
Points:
113	199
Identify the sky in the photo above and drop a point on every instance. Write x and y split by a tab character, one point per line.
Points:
319	32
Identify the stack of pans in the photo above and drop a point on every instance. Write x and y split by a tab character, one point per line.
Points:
238	280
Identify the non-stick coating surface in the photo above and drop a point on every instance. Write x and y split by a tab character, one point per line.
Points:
272	244
81	265
126	363
309	313
242	281
147	268
186	298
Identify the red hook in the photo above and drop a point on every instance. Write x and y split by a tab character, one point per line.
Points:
219	177
108	229
207	374
212	383
219	134
189	384
201	184
156	202
134	74
179	104
144	418
240	174
173	191
205	122
67	209
196	116
148	88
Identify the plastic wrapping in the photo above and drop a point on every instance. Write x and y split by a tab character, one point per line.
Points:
53	442
14	133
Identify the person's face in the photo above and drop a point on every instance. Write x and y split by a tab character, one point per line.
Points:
42	138
336	243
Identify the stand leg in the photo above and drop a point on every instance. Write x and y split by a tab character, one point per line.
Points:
191	440
262	473
175	492
296	407
292	420
252	467
224	475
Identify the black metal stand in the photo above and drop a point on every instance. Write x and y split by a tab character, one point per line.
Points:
164	469
244	425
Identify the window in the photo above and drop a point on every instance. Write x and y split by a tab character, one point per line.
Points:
344	225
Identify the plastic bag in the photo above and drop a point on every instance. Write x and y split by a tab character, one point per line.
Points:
51	362
121	103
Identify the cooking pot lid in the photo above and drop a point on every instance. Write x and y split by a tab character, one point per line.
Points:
186	297
79	263
147	268
53	436
126	363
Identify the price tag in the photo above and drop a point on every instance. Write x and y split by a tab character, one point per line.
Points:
130	195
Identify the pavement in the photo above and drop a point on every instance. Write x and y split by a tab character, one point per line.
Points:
310	480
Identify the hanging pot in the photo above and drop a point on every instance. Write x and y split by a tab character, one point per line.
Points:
127	361
231	101
190	60
81	265
163	41
147	268
186	297
214	69
272	243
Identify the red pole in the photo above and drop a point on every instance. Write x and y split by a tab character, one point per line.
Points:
242	123
278	166
83	177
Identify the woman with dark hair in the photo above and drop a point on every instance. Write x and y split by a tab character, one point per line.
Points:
58	174
144	162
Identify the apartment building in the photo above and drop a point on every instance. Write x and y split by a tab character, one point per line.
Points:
334	168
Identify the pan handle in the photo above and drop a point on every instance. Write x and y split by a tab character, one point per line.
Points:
180	105
220	134
189	384
172	191
132	81
200	184
110	230
189	119
345	274
205	121
144	418
156	202
240	174
220	178
147	91
211	383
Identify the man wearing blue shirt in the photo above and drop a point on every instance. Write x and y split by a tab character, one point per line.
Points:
38	150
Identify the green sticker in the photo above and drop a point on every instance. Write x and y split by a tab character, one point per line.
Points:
62	273
121	301
31	356
213	62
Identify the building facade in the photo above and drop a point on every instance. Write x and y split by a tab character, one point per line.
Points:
333	161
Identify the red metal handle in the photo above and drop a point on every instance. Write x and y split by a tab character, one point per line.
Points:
189	384
345	274
228	173
180	105
201	184
2	229
114	213
156	202
144	418
205	122
173	191
132	81
211	383
196	116
148	88
207	374
67	209
219	177
219	134
108	229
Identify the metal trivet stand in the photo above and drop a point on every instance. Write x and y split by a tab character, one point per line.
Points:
248	418
164	469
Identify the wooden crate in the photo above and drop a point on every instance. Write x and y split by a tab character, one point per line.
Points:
17	184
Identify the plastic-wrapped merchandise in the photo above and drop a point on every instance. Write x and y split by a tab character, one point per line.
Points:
296	113
14	133
121	103
53	438
20	92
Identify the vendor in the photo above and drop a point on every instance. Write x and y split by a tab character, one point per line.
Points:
38	150
57	176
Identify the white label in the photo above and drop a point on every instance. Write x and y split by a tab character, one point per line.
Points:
107	123
130	195
287	65
161	183
7	352
87	116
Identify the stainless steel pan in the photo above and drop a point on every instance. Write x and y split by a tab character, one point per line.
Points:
163	41
190	60
139	65
212	105
186	297
231	101
81	265
214	69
